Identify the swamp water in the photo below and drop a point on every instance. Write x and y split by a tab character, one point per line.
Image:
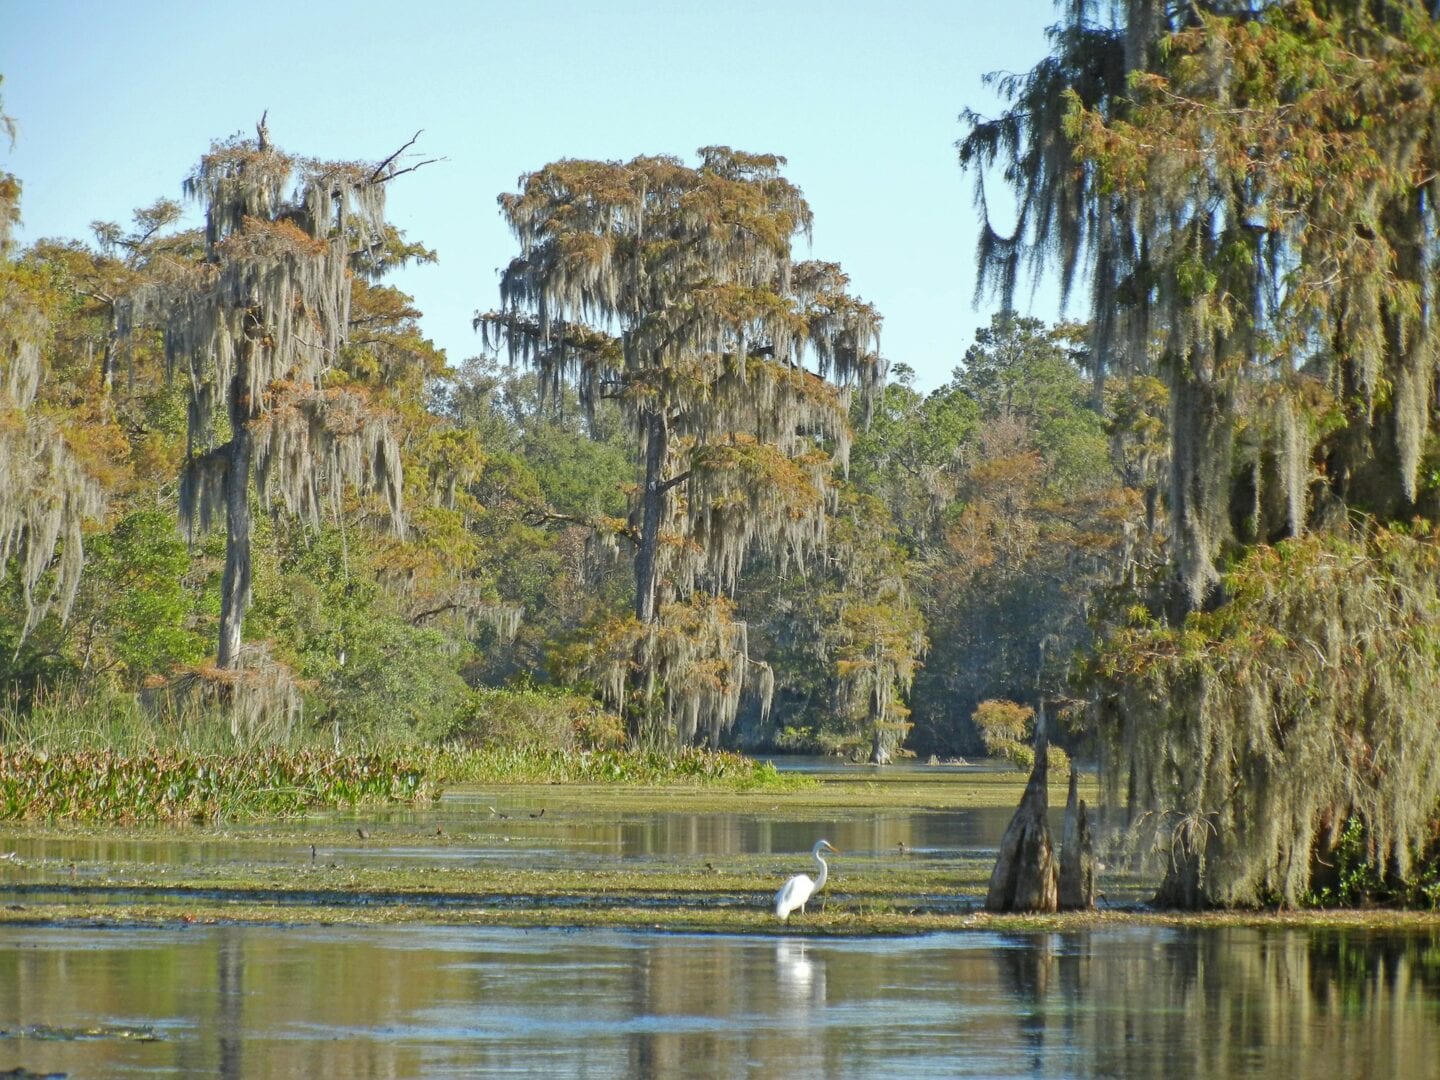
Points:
270	1001
164	997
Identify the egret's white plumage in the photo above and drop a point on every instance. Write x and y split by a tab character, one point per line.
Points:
795	892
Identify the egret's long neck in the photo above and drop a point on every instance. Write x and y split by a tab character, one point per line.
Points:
824	870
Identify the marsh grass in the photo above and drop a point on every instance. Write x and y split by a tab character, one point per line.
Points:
103	758
69	717
543	765
105	786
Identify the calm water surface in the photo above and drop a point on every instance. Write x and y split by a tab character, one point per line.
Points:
560	837
256	1001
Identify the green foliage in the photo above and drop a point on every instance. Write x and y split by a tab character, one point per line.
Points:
1020	367
30	662
1008	730
1356	881
911	455
1346	876
135	605
94	786
542	717
1038	520
544	463
366	667
1252	736
844	641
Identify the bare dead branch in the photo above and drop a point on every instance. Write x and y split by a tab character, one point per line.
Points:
385	171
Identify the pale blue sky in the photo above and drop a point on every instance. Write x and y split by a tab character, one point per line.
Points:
117	100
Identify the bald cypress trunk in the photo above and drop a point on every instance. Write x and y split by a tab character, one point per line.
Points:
235	585
1201	426
1024	878
238	454
647	567
1077	860
879	746
652	517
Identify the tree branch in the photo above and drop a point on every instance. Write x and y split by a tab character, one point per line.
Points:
385	172
674	481
629	530
415	620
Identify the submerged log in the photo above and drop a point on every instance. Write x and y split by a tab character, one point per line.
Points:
1077	860
1024	878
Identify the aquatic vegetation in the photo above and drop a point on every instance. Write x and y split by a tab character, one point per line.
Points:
168	784
456	863
165	785
543	765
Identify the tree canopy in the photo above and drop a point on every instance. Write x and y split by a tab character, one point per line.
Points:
670	290
1249	192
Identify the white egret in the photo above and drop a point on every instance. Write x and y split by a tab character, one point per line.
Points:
795	892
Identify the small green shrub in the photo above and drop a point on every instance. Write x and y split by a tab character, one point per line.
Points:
1346	876
1008	730
542	717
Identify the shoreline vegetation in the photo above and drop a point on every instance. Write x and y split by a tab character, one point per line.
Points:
370	858
173	784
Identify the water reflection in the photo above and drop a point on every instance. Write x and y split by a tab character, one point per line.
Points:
427	1001
799	978
559	839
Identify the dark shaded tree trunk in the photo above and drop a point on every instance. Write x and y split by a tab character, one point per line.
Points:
1024	878
647	561
1201	428
1077	860
235	584
1182	888
652	517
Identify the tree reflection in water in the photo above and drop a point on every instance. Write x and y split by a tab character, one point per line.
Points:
1122	1000
1232	1002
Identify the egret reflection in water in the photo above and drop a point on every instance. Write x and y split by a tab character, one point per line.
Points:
799	976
